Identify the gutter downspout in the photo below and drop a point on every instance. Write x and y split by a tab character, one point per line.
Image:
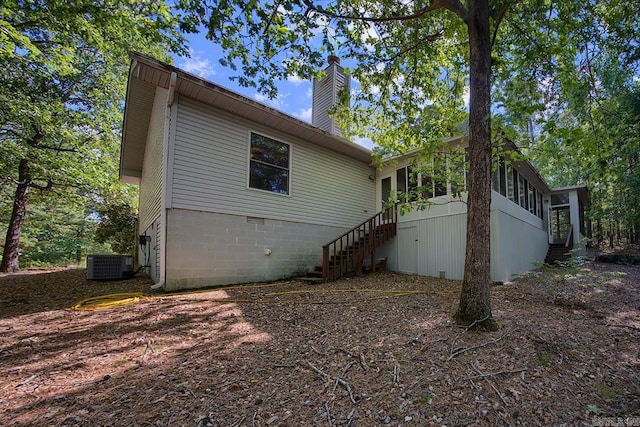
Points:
165	187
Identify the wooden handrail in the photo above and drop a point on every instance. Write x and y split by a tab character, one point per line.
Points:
348	251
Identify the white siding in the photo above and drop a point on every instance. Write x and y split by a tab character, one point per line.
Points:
442	206
323	100
325	97
407	249
441	245
518	240
151	181
501	203
515	246
149	253
210	173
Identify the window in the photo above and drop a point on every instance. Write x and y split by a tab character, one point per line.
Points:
407	182
516	192
443	175
440	175
503	179
386	191
522	191
532	199
427	186
560	199
495	178
507	181
401	182
458	164
510	187
412	182
540	211
269	164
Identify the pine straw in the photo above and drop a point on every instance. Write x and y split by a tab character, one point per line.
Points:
348	353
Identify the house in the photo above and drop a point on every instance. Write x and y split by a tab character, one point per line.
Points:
233	191
530	222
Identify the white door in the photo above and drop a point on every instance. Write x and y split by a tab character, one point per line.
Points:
407	249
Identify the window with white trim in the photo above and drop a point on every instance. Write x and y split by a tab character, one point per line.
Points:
507	181
269	164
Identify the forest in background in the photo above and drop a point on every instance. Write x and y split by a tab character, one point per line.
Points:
63	86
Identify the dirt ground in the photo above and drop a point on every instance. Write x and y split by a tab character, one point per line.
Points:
373	350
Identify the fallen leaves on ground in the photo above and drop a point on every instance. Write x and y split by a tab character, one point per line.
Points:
379	349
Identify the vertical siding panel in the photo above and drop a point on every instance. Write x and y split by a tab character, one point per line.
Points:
441	245
323	101
517	245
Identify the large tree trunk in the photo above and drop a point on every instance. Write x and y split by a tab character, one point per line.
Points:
11	251
475	300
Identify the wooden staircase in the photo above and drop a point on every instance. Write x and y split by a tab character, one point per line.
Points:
354	252
560	252
557	253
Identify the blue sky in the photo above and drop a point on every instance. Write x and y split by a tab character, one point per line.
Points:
294	94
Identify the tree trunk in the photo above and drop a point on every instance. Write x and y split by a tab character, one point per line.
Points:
11	251
475	300
610	234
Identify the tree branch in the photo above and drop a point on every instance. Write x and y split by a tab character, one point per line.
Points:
36	139
58	149
47	187
454	6
419	41
499	18
270	21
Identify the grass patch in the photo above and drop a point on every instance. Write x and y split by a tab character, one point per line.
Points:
543	359
605	391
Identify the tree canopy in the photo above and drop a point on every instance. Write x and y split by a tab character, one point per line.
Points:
61	96
417	61
576	113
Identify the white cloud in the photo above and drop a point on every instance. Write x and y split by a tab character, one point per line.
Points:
323	24
368	37
295	79
304	114
260	97
276	102
195	64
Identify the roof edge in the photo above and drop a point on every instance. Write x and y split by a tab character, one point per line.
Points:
361	153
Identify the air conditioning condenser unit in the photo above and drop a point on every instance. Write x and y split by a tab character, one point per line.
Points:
109	267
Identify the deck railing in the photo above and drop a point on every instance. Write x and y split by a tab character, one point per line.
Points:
347	252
